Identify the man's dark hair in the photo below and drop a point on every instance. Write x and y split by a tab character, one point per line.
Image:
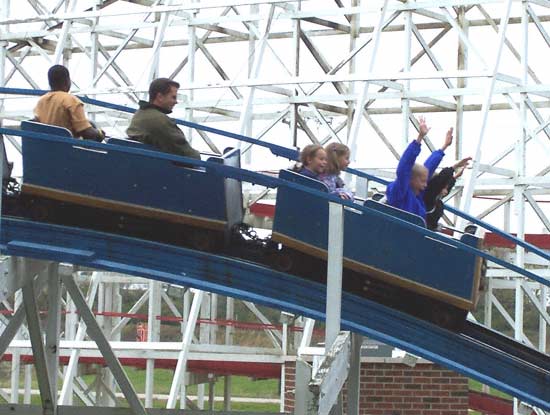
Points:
58	76
161	86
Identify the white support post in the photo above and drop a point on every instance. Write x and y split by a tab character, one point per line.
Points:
227	393
16	355
542	322
293	111
405	102
28	384
488	306
355	26
153	335
461	83
210	393
204	330
105	382
94	330
35	333
184	353
229	333
53	324
302	395
200	396
284	343
191	49
214	318
334	272
354	377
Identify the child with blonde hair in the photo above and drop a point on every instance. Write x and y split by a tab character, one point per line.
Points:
313	161
337	160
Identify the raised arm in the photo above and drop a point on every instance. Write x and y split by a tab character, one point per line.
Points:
432	162
407	160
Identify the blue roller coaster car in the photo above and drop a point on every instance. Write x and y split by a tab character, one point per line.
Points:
126	187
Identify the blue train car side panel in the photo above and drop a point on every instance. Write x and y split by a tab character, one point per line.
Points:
417	262
93	173
300	215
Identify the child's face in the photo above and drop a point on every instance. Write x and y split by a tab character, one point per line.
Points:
419	181
318	162
343	161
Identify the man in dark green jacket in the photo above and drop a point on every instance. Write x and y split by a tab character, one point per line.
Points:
151	125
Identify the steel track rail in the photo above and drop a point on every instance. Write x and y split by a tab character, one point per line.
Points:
251	282
507	345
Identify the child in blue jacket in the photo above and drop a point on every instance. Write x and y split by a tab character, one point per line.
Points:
406	192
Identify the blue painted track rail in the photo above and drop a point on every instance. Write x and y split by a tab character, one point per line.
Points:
251	282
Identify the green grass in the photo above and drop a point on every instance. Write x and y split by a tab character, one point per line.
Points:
218	406
241	386
476	386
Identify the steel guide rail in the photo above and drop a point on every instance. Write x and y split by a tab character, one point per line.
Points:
507	345
245	280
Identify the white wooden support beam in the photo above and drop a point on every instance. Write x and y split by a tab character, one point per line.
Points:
303	397
184	353
354	378
543	301
543	313
306	334
11	329
70	370
405	102
97	335
334	272
35	332
153	335
327	382
275	335
53	324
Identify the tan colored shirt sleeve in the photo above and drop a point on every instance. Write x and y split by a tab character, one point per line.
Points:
79	121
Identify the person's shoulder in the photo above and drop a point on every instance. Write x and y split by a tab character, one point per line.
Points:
66	97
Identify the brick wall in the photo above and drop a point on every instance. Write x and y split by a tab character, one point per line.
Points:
397	389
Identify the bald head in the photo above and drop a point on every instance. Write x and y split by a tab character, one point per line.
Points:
419	178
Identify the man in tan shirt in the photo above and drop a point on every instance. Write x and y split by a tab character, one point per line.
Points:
60	108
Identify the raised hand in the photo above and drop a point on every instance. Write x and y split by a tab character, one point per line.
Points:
462	163
422	129
459	167
448	139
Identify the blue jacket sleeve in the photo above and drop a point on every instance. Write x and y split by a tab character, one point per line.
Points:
433	161
404	169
